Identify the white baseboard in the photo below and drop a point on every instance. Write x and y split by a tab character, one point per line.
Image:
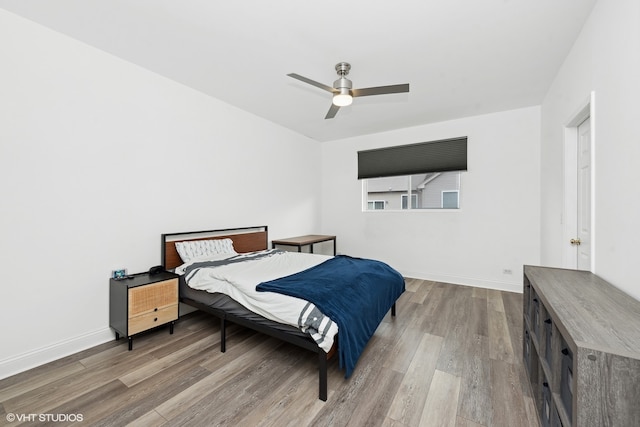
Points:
466	281
25	361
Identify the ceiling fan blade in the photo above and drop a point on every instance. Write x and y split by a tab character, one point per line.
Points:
312	82
333	110
380	90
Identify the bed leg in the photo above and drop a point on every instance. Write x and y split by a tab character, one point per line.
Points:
322	374
393	310
223	335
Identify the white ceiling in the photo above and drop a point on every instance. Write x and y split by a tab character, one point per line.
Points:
461	57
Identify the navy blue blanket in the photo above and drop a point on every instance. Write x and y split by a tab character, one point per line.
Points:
355	293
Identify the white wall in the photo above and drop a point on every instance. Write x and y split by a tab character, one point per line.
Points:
98	157
496	228
605	59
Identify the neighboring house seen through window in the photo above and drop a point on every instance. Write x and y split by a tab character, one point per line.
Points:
438	190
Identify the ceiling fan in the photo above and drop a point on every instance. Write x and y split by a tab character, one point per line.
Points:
342	91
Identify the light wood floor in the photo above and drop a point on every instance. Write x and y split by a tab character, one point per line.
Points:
451	357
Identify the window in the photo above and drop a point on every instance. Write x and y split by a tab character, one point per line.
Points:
374	205
450	200
439	190
425	175
414	201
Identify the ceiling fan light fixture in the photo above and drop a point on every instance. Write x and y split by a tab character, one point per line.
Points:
343	98
343	92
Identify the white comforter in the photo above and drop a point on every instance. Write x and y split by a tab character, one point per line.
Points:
239	280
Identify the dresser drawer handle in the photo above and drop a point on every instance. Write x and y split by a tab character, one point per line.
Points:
155	309
155	319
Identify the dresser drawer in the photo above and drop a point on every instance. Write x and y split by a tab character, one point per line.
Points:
155	318
152	297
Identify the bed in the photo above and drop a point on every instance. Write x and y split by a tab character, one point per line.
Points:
203	285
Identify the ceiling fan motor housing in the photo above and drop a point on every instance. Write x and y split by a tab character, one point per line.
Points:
343	84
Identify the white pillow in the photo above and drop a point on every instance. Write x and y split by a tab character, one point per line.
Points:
198	248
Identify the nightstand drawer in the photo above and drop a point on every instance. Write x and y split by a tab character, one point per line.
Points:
155	318
154	296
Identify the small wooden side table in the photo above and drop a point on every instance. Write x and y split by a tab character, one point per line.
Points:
141	302
307	240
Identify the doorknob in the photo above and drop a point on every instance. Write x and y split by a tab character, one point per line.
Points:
575	241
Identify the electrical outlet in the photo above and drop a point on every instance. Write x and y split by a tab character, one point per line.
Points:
119	274
507	271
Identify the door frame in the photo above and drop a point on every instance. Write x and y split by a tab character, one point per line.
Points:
570	183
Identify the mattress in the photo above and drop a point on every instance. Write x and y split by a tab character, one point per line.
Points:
224	303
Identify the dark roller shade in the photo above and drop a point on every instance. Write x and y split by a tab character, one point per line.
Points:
436	156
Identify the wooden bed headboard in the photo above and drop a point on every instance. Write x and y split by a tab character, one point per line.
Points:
245	239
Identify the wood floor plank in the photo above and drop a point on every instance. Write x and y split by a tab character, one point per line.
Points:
225	406
273	410
274	376
463	422
409	401
530	409
422	291
204	343
479	293
218	377
150	419
42	399
512	303
412	315
380	389
136	401
475	388
478	321
500	347
403	353
441	406
91	404
454	345
506	395
47	368
494	300
39	380
129	403
133	402
452	356
412	285
438	310
388	422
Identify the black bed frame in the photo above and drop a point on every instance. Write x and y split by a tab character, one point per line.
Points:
306	343
281	335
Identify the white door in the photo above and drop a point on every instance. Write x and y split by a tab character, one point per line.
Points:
583	235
